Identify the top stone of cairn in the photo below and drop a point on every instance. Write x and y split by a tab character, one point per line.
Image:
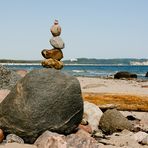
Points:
55	29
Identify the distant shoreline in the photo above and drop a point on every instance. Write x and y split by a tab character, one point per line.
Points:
83	61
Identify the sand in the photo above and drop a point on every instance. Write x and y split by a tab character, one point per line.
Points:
100	85
131	95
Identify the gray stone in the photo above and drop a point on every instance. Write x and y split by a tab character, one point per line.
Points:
113	121
124	74
10	138
44	99
8	78
57	42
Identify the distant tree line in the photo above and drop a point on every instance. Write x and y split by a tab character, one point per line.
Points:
82	61
19	61
104	61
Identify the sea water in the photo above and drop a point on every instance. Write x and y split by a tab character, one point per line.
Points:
92	70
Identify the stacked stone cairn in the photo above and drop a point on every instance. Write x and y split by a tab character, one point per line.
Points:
53	56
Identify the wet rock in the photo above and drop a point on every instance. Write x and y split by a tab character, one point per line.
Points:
8	78
51	140
52	53
57	42
45	99
52	63
10	138
124	74
113	121
92	114
146	75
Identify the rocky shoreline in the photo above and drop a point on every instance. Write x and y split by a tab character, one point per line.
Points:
100	127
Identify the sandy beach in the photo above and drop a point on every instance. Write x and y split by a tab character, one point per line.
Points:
123	94
128	96
100	85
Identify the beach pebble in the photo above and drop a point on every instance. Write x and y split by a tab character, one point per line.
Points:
139	136
57	42
1	135
51	140
145	140
92	114
81	140
113	121
84	122
104	107
98	134
14	138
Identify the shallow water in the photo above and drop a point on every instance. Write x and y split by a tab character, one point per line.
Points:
93	70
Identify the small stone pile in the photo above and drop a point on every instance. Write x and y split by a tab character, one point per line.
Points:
53	56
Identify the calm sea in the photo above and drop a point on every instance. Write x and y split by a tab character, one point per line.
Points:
93	70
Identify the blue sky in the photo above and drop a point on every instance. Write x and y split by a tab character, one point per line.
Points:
90	28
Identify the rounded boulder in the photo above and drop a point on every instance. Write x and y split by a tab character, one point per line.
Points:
45	99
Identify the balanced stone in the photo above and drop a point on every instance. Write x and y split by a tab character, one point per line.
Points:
52	63
57	42
45	99
52	53
55	29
